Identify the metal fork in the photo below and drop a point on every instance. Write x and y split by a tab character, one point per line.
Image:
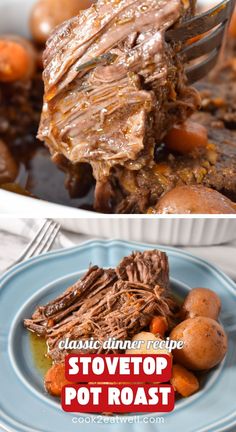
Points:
215	21
41	243
211	25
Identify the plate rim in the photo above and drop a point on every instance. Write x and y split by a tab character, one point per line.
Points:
108	242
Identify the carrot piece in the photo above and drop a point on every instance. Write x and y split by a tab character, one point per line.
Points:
159	325
184	381
14	61
187	136
55	379
232	27
197	38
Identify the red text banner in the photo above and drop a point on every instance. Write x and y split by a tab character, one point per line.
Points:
117	398
153	368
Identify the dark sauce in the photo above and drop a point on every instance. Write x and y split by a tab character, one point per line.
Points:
20	110
47	182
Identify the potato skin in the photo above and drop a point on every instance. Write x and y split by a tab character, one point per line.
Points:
201	302
47	14
147	336
205	343
194	200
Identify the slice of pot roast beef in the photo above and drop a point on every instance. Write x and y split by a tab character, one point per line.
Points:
113	112
107	303
149	267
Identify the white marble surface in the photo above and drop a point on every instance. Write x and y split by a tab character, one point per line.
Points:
15	234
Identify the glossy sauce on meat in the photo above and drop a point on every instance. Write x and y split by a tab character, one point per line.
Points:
113	111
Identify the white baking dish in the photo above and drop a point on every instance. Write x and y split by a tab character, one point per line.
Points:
174	231
14	19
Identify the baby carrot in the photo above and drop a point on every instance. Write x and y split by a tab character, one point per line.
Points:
184	381
15	60
187	136
159	325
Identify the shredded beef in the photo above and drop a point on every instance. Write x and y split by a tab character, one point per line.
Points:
107	303
112	113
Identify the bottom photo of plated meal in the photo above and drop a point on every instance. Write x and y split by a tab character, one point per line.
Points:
133	301
151	299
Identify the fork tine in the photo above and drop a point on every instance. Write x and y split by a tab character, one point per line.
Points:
202	23
198	71
37	241
49	239
53	238
29	246
204	45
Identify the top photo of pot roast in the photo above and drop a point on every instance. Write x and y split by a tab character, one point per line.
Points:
119	106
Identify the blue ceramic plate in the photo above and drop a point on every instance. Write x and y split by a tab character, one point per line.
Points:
26	407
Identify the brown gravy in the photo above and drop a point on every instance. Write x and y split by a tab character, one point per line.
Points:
45	181
39	353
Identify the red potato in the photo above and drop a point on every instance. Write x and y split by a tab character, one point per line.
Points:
194	200
47	14
201	302
186	137
55	379
205	343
